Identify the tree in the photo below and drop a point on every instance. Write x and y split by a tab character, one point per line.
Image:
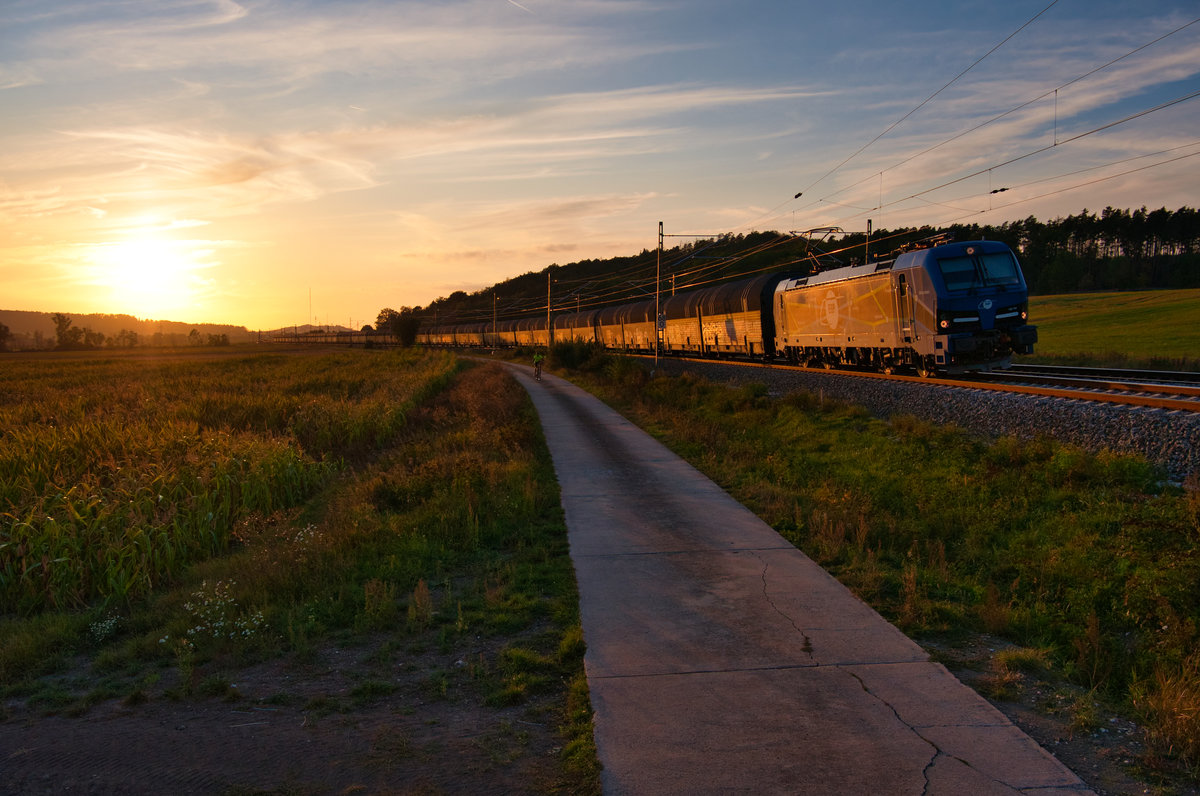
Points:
194	337
67	336
402	325
383	321
124	339
5	333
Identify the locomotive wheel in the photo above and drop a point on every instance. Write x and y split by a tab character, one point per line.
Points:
924	370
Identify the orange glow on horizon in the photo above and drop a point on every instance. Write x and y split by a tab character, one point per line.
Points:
149	276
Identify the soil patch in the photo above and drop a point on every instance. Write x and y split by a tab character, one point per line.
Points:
350	720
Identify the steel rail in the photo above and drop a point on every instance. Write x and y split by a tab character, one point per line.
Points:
1090	383
1116	374
1139	398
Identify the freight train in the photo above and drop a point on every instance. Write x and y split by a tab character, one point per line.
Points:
947	308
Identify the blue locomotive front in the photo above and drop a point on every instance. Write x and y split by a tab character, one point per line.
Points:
969	306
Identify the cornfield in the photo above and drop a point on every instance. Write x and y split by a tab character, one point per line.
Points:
116	473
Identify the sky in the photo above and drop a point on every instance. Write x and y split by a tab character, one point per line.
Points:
269	163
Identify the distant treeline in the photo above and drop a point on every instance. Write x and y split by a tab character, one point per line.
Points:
28	331
1113	250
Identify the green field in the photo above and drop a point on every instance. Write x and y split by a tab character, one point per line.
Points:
168	521
1154	328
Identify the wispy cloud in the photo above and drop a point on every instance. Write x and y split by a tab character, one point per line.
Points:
491	136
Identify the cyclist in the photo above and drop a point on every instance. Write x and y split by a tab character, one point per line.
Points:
538	356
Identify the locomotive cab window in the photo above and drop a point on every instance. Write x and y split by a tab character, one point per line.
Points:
995	269
999	268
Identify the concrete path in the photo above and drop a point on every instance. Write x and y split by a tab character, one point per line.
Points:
720	659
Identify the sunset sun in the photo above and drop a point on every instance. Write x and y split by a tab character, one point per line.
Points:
149	276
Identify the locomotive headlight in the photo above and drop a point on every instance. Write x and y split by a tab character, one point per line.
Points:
944	323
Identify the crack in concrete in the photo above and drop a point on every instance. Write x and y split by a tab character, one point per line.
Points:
938	752
808	645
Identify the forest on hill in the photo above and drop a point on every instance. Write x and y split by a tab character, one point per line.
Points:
1112	250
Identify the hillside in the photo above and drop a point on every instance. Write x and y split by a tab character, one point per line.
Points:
33	330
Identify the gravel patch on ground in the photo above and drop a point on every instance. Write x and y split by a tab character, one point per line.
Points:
1170	439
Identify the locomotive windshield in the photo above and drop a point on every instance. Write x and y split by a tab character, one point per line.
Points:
990	269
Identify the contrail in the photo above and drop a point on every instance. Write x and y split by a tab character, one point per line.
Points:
518	5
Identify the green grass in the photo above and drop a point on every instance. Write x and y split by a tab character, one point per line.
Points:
437	527
1158	329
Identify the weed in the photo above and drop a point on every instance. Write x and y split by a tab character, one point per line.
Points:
1028	660
1002	685
1191	487
184	653
215	614
102	630
1085	713
135	697
571	646
420	606
912	609
217	686
626	371
1169	703
379	604
1093	665
995	614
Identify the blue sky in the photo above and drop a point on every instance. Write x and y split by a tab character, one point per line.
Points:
217	161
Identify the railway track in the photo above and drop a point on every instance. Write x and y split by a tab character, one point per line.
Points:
1154	389
1162	427
1116	374
1131	388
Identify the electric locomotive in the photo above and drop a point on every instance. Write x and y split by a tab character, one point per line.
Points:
950	308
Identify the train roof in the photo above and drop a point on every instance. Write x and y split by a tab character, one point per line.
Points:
918	258
731	297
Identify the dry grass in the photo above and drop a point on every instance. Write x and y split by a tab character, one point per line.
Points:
1170	705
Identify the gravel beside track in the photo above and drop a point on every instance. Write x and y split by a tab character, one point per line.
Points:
1170	439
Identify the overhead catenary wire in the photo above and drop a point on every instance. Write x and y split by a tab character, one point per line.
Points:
828	200
1010	111
1048	147
1089	182
926	101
